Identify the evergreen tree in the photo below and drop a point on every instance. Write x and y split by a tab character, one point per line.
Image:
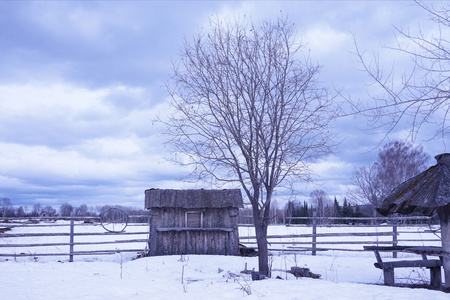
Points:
357	212
304	213
337	210
347	210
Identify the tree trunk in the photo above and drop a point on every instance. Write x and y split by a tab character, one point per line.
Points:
261	223
261	240
444	216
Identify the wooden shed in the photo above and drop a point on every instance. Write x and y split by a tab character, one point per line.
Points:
193	221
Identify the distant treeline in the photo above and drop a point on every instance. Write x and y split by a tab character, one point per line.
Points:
334	209
304	210
7	209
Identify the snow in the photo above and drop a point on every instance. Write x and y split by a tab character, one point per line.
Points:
344	275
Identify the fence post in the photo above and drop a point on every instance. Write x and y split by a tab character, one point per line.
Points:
71	240
314	232
394	238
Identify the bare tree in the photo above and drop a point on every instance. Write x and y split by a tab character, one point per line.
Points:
422	95
397	162
81	211
321	203
367	187
36	210
49	211
248	109
276	215
65	210
6	206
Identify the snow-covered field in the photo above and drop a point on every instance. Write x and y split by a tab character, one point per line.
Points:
344	275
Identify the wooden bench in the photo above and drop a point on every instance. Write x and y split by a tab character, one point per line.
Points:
388	267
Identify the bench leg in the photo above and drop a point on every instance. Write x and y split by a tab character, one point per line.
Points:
389	277
435	278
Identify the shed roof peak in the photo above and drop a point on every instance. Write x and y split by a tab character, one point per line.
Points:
443	158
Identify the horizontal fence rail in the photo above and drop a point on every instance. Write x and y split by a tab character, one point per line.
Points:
36	237
72	234
361	219
245	220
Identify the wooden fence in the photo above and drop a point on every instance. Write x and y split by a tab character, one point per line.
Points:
21	237
351	234
35	237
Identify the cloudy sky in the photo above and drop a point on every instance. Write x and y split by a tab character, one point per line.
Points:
81	82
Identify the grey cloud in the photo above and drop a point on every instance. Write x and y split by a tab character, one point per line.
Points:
93	43
56	130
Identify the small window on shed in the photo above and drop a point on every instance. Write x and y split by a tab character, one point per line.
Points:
194	219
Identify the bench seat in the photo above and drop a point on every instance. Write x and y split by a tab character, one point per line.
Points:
429	263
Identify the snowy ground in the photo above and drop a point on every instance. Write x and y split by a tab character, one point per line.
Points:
345	275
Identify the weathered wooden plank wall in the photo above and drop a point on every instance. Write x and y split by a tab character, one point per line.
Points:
218	235
196	242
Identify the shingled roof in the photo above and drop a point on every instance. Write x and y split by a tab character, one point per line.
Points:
422	193
193	198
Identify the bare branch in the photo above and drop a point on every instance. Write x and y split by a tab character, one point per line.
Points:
421	96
